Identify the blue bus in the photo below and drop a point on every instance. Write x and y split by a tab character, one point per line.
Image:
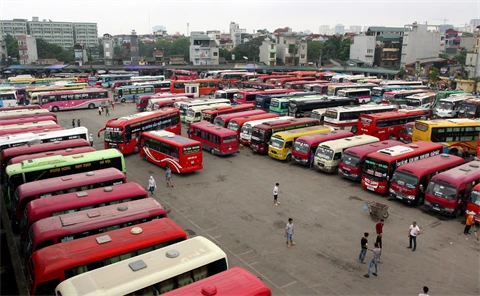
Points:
377	92
107	80
132	92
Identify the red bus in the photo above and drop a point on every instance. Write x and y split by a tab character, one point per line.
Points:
236	123
248	97
9	153
234	281
43	126
123	133
378	167
119	83
351	166
37	113
42	208
387	125
169	102
210	114
61	185
64	152
214	138
166	149
29	107
409	181
262	133
305	146
406	133
263	79
223	120
142	101
206	86
279	82
66	227
255	85
470	108
448	192
231	78
183	75
473	204
4	122
54	264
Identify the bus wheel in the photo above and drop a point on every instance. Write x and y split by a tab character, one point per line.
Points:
55	109
289	158
390	137
354	130
91	106
136	149
123	100
212	151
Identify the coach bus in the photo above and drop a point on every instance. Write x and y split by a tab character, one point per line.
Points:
473	204
378	167
184	106
8	99
70	202
387	125
56	166
211	113
24	113
470	108
351	165
42	189
248	97
183	75
236	124
52	265
281	143
153	273
28	127
33	107
214	138
146	78
334	88
107	80
459	136
247	128
449	107
302	107
27	120
159	87
264	101
305	146
194	113
262	133
400	82
399	96
448	192
143	102
66	227
205	86
168	150
425	100
346	118
123	133
409	181
168	102
71	100
362	94
224	119
300	84
63	152
226	94
132	92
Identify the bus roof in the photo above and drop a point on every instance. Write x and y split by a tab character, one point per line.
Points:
431	164
363	150
138	117
212	128
250	118
64	152
475	101
116	278
136	86
297	131
404	151
332	135
70	91
421	95
171	137
349	142
260	121
58	183
219	109
405	91
394	114
467	172
234	281
286	122
354	89
43	147
454	99
361	108
230	116
32	137
450	122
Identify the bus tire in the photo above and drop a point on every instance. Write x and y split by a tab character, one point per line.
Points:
91	106
212	151
390	137
55	109
289	158
136	149
354	130
123	100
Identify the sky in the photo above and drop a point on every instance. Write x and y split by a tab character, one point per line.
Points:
122	16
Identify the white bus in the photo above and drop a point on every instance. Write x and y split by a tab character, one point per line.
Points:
226	94
448	107
194	113
146	78
363	94
247	128
8	99
183	106
43	137
400	82
216	74
346	118
329	154
425	100
152	273
26	78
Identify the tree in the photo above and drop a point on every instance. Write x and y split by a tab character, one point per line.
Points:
100	49
145	49
223	53
181	46
117	49
344	54
444	56
12	46
434	75
48	50
314	49
460	58
250	49
332	47
402	72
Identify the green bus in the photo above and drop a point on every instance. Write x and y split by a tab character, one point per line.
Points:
446	93
58	165
280	105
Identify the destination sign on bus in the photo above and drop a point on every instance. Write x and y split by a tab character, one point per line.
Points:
191	149
418	157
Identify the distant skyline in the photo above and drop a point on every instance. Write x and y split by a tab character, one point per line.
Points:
121	16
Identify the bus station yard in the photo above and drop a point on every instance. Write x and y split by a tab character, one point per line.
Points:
230	202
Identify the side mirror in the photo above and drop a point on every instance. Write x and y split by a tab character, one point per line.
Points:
422	189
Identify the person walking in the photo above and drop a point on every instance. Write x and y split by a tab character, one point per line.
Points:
107	111
312	157
424	291
100	110
364	248
90	139
151	185
168	176
78	122
289	232
413	232
113	104
469	222
379	226
73	123
275	194
377	252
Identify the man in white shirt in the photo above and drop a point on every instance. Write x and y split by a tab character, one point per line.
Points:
425	291
275	194
413	232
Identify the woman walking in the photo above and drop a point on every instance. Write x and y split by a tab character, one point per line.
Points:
151	185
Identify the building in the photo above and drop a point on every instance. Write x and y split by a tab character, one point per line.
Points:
474	23
215	35
472	62
355	29
268	52
236	33
363	49
3	51
323	29
420	42
80	51
203	50
134	55
64	34
27	49
46	62
291	50
340	29
107	40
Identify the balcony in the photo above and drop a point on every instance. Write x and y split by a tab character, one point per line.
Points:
390	49
390	58
22	47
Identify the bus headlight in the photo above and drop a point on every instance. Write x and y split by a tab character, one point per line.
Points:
411	197
391	191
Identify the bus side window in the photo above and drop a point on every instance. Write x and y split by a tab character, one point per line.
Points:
337	156
288	145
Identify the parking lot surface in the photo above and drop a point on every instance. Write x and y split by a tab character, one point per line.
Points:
230	202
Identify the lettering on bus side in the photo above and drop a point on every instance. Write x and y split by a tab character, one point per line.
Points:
418	157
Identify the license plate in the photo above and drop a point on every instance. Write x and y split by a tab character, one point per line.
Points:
436	209
370	188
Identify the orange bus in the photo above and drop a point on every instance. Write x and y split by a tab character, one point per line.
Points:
206	86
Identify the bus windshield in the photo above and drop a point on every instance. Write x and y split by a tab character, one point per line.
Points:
277	142
274	104
442	190
475	197
258	135
113	136
406	180
301	147
233	125
445	105
325	153
229	139
375	168
376	92
468	108
351	160
414	102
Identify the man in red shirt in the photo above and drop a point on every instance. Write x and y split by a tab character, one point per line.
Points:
379	226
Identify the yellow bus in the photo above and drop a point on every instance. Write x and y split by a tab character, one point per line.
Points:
44	81
456	135
281	143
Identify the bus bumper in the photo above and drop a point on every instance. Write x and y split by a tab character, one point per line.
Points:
410	199
328	169
298	160
434	207
346	174
274	154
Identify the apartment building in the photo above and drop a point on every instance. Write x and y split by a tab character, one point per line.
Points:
203	50
292	49
236	34
27	49
420	42
268	52
15	27
3	50
86	33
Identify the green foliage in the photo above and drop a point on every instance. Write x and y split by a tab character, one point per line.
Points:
250	49
344	54
47	50
145	49
292	49
444	56
100	49
434	75
314	48
12	46
402	72
460	58
117	49
225	54
332	47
